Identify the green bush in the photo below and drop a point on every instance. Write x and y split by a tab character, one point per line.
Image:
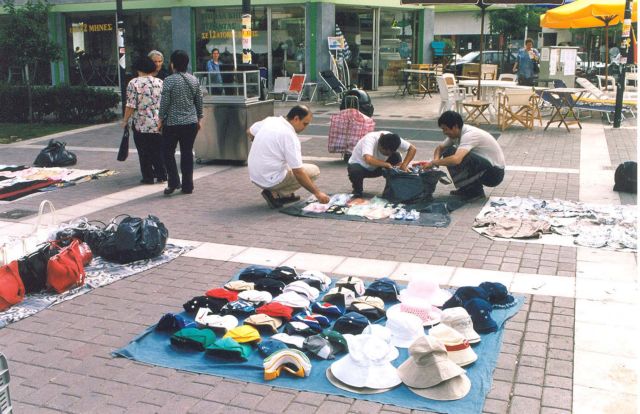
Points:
63	103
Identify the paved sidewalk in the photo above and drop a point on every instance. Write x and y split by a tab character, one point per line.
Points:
570	349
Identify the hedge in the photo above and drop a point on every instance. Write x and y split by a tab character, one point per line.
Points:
63	103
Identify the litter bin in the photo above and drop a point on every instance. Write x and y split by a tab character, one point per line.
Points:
228	115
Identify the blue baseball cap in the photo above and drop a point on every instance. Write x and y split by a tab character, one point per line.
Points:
384	288
172	322
498	294
480	312
351	323
326	308
268	346
463	294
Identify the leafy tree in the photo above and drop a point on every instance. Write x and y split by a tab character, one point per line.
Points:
512	21
24	40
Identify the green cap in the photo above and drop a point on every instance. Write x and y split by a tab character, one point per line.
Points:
336	338
193	338
228	348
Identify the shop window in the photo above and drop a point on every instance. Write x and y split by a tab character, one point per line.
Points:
397	44
287	41
92	50
146	31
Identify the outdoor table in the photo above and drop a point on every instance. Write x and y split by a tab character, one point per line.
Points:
420	73
565	101
475	111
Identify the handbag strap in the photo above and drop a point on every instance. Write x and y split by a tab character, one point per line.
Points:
52	212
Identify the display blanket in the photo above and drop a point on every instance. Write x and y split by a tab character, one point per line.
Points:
154	348
99	273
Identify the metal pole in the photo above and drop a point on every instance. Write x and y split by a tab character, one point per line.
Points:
121	50
625	41
482	8
246	31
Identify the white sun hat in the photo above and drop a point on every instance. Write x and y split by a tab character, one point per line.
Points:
458	318
383	333
425	288
457	346
367	364
405	328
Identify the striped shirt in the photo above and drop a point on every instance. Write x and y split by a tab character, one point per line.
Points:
181	101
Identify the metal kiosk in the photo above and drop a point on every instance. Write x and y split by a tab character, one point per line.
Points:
231	105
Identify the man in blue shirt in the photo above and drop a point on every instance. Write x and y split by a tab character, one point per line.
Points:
528	59
213	66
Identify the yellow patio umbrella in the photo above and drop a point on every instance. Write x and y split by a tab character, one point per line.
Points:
589	13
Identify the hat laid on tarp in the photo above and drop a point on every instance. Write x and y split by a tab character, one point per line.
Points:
499	295
302	288
336	338
239	285
228	348
320	347
424	288
314	321
268	346
357	390
293	340
458	348
290	360
277	310
213	304
256	297
480	312
383	333
368	364
430	373
299	328
244	334
428	314
351	323
340	296
352	283
458	318
254	273
273	286
314	283
463	294
324	280
328	309
293	299
405	328
215	321
222	293
370	306
284	274
171	322
384	288
260	321
193	338
239	308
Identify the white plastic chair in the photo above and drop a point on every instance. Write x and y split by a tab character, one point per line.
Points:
607	84
280	86
508	77
450	96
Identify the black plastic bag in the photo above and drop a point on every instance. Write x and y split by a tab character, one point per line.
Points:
626	177
55	155
33	268
133	239
408	187
123	151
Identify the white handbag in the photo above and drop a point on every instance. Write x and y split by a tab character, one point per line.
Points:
14	247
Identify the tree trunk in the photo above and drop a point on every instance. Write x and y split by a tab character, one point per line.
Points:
29	94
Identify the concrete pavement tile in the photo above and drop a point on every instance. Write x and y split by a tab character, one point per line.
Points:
495	406
277	401
311	261
607	313
557	398
605	372
215	251
606	271
599	338
473	277
297	408
310	398
543	285
263	257
607	290
521	405
527	390
599	256
366	267
593	400
365	407
406	271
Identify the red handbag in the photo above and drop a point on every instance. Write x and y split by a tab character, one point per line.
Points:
65	270
11	286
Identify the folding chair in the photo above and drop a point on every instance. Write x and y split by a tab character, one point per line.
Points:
280	86
517	105
508	77
336	87
5	397
295	87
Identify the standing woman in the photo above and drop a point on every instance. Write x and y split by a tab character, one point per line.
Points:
180	115
158	59
143	104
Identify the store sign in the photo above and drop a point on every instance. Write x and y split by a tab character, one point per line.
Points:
84	28
216	24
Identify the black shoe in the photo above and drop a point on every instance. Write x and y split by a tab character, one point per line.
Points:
170	190
183	191
270	199
143	181
357	194
469	194
161	180
287	200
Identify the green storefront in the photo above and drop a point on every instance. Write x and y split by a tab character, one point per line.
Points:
287	37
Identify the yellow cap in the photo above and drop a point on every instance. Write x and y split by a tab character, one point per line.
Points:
243	334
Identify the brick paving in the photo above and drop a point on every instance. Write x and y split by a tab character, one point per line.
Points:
60	358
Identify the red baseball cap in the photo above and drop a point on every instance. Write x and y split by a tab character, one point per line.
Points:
276	310
222	293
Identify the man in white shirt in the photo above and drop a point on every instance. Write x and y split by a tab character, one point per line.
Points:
472	156
375	151
275	159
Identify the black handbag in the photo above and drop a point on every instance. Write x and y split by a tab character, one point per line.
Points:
133	239
55	155
123	152
409	187
33	267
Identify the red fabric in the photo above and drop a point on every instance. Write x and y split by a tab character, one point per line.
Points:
65	270
346	128
459	347
222	293
276	310
11	286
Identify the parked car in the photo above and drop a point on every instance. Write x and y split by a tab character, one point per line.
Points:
504	60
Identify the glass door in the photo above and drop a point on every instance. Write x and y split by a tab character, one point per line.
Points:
357	25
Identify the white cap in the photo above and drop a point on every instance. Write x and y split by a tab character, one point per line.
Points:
207	318
458	318
295	340
256	297
293	299
324	280
302	288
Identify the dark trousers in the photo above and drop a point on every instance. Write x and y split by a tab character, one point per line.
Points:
473	172
357	173
151	155
185	135
525	81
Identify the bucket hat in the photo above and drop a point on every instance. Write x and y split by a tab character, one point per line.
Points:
276	310
430	373
428	314
268	346
193	339
243	334
405	328
340	296
302	288
254	273
384	288
463	294
424	288
357	390
284	274
480	312
275	287
339	342
256	297
239	285
383	333
213	304
222	293
293	340
239	308
293	299
320	347
328	309
370	306
228	348
350	323
324	280
458	318
352	283
367	364
289	360
499	295
260	321
215	321
171	322
457	347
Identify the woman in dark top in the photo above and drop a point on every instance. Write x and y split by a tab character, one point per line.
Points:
180	117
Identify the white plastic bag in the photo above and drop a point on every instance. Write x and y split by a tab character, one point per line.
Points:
14	247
